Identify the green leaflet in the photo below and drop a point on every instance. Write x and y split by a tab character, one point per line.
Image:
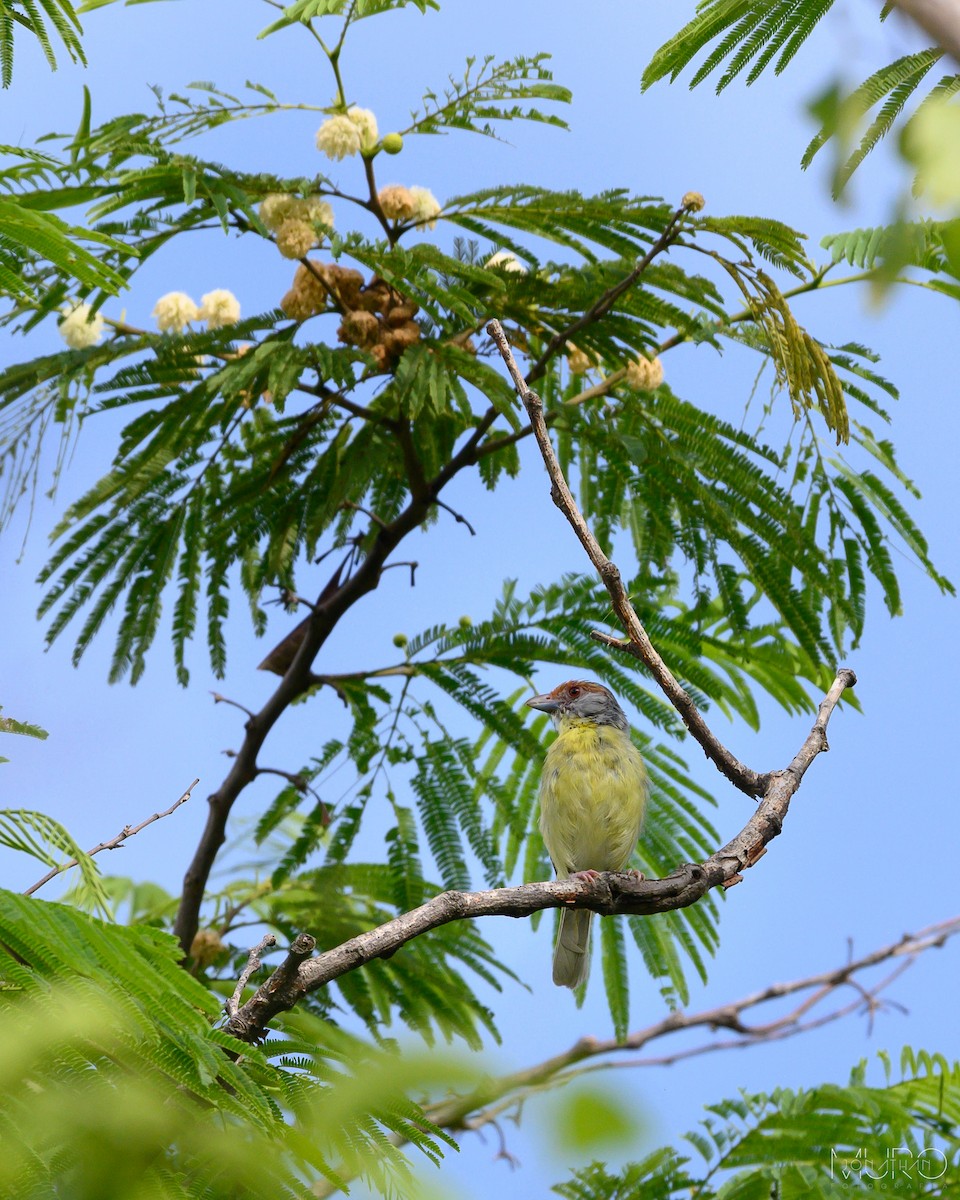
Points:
46	840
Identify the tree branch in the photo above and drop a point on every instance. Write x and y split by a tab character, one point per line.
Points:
300	648
484	1105
639	644
128	831
608	894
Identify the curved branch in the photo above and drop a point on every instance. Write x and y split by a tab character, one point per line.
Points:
293	660
608	894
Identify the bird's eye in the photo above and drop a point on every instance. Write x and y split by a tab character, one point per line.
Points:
574	692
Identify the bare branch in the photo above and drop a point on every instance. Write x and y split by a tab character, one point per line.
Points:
458	517
638	643
608	894
218	699
128	831
232	1005
485	1105
281	982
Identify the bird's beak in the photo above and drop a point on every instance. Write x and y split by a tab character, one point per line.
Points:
547	703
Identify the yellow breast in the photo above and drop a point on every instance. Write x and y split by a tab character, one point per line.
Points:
592	797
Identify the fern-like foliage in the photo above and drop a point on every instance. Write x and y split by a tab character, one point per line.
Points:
891	87
825	1142
491	91
206	479
102	1020
324	428
50	843
38	17
745	37
25	728
305	11
752	34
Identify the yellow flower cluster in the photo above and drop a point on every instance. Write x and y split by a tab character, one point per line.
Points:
397	202
294	220
175	310
427	207
506	262
219	308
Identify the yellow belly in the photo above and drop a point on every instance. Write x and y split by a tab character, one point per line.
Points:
592	797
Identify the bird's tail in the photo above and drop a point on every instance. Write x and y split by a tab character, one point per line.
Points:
571	957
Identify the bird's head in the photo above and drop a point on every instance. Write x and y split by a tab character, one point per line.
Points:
584	700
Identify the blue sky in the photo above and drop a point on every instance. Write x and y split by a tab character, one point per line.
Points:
869	849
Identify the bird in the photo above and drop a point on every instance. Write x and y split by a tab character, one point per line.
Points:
593	793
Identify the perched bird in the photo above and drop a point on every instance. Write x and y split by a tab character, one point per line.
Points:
592	795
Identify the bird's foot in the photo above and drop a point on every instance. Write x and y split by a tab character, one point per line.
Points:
589	874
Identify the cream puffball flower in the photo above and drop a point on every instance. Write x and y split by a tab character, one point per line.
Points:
338	137
644	374
578	361
175	310
427	207
348	133
78	329
315	211
219	308
277	208
506	262
693	201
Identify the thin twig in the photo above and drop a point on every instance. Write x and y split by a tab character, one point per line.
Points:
603	305
458	517
218	699
231	1006
128	831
